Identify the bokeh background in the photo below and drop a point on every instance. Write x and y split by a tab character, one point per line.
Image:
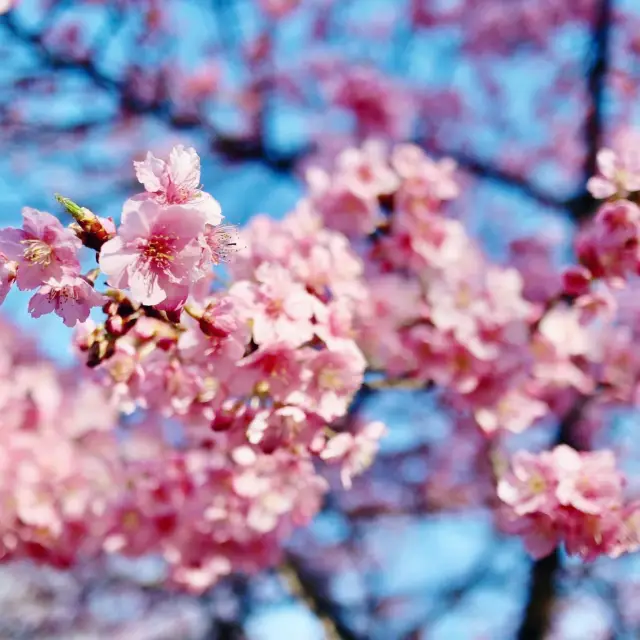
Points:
521	93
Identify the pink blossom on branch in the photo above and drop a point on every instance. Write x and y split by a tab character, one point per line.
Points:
155	253
42	249
70	297
619	168
567	496
177	181
279	308
261	375
354	452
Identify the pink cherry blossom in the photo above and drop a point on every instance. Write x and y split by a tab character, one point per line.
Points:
70	297
425	182
279	308
277	366
610	247
367	171
42	249
343	203
567	496
281	428
335	376
539	532
589	482
515	411
619	168
356	452
220	243
576	280
177	182
258	377
155	254
379	105
530	486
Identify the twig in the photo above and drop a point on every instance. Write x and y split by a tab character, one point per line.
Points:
304	586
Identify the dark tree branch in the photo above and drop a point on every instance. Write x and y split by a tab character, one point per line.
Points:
582	206
304	584
596	85
505	178
237	149
232	148
541	599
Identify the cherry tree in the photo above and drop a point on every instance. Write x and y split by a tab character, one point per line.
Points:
243	373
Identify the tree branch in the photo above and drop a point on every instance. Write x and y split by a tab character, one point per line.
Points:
583	204
596	85
304	585
505	178
231	147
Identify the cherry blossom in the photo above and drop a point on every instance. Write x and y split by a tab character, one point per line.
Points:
279	308
7	276
565	495
354	452
70	297
155	253
42	249
619	168
177	181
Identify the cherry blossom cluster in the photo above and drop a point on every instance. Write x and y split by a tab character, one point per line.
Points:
256	377
235	391
430	306
504	352
75	486
579	498
567	496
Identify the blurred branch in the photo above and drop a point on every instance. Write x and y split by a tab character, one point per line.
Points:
231	147
304	585
541	599
596	85
24	132
489	171
583	205
480	574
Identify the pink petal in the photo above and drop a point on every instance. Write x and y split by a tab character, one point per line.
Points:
40	304
36	222
600	188
10	240
114	260
146	288
184	166
607	163
150	173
